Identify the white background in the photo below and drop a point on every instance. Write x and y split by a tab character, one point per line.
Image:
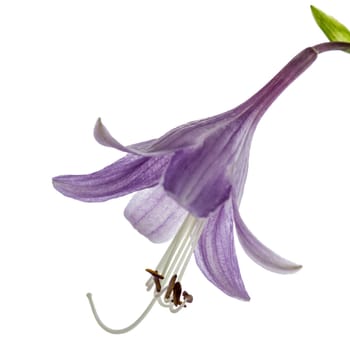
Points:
145	67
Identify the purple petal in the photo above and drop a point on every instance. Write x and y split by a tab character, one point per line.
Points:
103	137
200	179
240	166
128	174
216	256
202	176
259	252
183	136
154	214
194	133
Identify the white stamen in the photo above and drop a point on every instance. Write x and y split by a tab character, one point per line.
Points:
181	247
194	240
175	309
122	330
173	263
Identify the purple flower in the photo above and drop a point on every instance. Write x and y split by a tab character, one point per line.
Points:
190	183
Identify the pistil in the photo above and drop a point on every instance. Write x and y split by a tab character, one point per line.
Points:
166	277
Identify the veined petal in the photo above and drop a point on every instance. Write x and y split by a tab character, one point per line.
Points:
258	251
103	137
239	168
216	256
183	136
130	173
200	178
194	133
154	214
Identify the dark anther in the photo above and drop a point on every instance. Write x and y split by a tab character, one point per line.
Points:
170	287
155	273
187	297
156	278
177	294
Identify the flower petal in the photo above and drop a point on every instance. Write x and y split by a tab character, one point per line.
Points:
154	214
215	253
130	173
259	252
183	136
200	179
194	133
103	137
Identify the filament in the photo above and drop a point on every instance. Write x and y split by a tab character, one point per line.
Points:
167	275
122	330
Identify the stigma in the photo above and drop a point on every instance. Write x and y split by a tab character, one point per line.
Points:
165	281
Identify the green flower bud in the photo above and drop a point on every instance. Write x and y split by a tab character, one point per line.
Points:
333	29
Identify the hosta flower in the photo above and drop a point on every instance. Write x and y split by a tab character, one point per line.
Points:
190	183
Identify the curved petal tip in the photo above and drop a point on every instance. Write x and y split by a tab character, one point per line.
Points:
259	253
103	137
216	256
